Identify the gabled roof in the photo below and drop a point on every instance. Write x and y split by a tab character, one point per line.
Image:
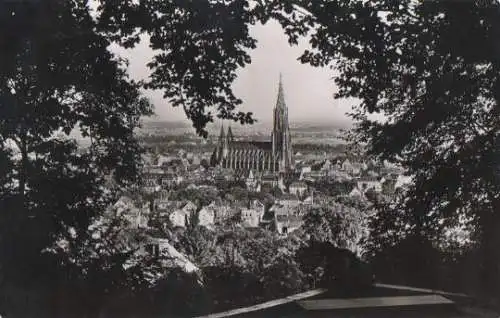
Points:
189	205
250	175
368	179
124	200
269	177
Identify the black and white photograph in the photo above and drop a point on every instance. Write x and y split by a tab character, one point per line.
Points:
249	158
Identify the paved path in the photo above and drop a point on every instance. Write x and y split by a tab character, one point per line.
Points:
383	301
267	305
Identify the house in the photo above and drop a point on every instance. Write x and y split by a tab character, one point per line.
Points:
137	217
287	208
403	181
338	175
288	200
196	160
163	195
308	200
357	193
147	159
222	212
270	180
357	168
251	217
258	206
352	168
168	180
279	209
161	204
161	248
161	199
206	216
164	160
189	207
346	166
223	175
368	183
252	182
123	203
140	219
297	188
326	165
304	172
179	218
167	207
286	224
151	182
315	175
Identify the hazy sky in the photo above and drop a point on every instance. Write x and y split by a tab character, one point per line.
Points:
308	91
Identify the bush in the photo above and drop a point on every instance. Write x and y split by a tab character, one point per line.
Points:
331	266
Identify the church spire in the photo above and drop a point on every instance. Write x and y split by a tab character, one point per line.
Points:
221	135
280	103
281	132
230	135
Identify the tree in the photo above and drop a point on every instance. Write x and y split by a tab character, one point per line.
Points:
432	69
200	46
441	97
339	225
199	243
95	274
57	77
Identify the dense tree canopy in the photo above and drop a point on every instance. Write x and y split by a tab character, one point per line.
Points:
340	225
56	77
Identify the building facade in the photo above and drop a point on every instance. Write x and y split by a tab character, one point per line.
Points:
259	156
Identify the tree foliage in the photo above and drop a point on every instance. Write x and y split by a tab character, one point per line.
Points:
200	46
432	68
339	225
56	78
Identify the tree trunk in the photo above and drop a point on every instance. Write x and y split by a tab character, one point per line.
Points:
23	168
490	238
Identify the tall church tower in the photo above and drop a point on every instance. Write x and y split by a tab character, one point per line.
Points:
282	145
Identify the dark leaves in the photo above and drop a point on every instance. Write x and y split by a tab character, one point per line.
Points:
200	46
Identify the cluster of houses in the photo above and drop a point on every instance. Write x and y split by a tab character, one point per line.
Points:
167	174
185	170
365	176
285	215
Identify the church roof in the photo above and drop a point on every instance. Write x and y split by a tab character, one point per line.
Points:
260	145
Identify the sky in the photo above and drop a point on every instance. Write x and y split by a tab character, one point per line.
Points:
308	90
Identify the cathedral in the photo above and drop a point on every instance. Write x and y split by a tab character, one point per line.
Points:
259	156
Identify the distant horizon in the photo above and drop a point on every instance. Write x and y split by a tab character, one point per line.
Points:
187	123
153	119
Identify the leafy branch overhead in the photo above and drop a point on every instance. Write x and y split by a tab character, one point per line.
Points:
199	45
